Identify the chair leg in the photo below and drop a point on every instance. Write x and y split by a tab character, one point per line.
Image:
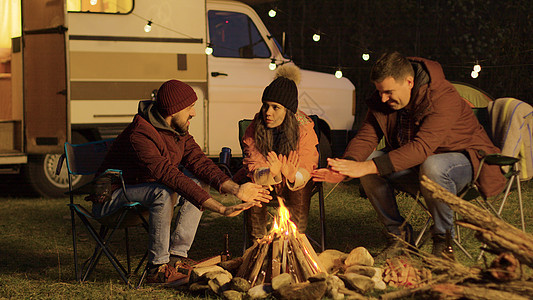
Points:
77	272
246	215
322	217
520	203
102	247
128	261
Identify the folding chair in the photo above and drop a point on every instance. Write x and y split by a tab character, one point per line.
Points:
85	159
317	188
509	166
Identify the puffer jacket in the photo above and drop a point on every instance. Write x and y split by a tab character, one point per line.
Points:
256	163
149	150
444	123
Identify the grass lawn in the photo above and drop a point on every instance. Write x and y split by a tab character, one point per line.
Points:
36	258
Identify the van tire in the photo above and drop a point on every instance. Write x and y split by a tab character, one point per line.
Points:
40	173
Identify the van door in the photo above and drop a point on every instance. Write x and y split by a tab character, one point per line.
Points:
238	71
44	76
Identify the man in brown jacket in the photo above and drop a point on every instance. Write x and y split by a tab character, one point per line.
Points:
151	152
428	130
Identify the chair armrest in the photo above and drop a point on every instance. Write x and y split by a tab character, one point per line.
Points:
60	163
500	160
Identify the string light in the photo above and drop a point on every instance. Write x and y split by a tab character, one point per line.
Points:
272	13
338	74
94	2
148	26
474	74
365	56
316	37
209	49
477	68
272	65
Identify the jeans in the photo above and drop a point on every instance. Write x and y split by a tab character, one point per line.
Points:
452	170
157	198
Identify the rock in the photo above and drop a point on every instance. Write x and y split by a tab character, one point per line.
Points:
378	279
231	265
358	282
239	284
198	273
221	277
213	286
259	292
281	280
303	291
198	287
361	270
359	256
322	276
232	295
332	260
334	283
380	284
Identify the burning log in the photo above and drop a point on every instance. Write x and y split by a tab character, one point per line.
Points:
490	229
283	250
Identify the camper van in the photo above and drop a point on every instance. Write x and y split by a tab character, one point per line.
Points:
77	69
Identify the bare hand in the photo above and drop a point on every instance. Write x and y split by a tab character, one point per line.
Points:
274	163
232	211
290	165
254	193
327	175
350	168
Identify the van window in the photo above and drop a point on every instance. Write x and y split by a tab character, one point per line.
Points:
233	34
100	6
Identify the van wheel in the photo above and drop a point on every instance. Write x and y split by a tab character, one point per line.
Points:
40	172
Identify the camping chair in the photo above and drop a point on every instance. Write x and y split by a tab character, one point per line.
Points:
85	159
509	166
318	187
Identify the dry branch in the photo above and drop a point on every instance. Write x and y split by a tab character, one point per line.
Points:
493	231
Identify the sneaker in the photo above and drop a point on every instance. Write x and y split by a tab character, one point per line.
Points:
397	243
442	248
179	261
164	274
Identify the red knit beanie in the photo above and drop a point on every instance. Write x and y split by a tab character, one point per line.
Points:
174	96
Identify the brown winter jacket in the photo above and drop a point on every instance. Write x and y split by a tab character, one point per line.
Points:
148	150
444	123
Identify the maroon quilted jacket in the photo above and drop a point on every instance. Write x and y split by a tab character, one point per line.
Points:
444	123
148	150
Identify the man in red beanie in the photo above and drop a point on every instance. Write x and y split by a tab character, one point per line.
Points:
155	153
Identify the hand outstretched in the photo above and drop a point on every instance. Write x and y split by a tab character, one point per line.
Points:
290	165
274	163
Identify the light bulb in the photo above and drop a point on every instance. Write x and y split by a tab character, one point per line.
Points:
474	74
316	37
148	27
272	65
208	50
365	56
272	13
477	68
93	2
338	74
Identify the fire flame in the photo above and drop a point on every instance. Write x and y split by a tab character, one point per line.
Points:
284	226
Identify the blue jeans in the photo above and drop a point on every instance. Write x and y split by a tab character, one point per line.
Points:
157	198
452	170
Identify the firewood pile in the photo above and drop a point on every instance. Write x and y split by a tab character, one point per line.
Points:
342	276
508	276
285	266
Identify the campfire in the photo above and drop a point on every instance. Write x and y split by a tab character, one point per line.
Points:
282	250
